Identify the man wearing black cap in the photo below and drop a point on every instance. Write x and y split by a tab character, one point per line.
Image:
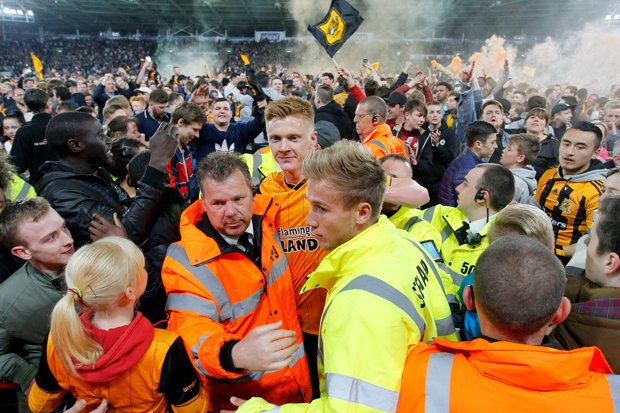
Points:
561	115
396	109
327	134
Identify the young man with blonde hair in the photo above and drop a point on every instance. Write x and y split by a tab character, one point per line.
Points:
378	280
292	138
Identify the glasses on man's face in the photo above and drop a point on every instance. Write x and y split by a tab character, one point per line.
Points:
361	115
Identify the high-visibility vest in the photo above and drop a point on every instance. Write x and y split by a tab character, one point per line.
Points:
381	142
260	165
459	260
19	190
384	298
217	294
480	376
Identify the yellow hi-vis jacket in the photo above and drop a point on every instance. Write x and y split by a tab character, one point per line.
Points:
18	189
260	165
410	220
458	260
384	297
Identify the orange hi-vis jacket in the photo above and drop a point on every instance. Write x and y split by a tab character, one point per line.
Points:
480	376
381	142
218	295
302	249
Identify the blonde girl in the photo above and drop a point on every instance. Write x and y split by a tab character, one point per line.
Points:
100	348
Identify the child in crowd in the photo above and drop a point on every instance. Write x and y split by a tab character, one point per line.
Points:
518	156
108	351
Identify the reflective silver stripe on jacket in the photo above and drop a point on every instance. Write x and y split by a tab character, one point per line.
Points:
23	192
189	302
256	173
278	268
456	277
381	289
614	387
358	391
206	277
438	375
228	312
379	144
428	214
195	350
411	222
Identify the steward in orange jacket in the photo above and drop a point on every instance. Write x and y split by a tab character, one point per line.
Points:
483	376
217	295
381	142
518	293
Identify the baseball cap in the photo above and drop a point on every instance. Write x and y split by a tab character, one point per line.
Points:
328	133
396	98
559	107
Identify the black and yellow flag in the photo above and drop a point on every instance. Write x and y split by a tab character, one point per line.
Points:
341	21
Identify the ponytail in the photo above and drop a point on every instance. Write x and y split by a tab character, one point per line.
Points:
74	346
97	275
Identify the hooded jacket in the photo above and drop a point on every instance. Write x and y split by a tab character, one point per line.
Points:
500	376
525	184
570	201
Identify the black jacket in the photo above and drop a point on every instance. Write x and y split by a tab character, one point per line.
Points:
333	113
165	231
30	148
548	155
77	196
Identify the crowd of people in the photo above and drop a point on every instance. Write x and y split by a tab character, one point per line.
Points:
259	239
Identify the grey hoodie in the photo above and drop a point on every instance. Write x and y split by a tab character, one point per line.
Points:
525	184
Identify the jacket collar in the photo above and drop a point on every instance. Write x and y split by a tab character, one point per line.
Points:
537	368
343	260
381	131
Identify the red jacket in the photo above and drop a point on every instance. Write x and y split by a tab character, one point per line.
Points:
215	296
479	376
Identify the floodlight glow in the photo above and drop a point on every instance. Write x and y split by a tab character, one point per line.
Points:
616	16
7	10
20	12
608	17
30	13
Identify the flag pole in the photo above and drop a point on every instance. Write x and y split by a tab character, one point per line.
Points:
336	63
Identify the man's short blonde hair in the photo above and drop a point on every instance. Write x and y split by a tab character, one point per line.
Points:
289	106
522	219
352	171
